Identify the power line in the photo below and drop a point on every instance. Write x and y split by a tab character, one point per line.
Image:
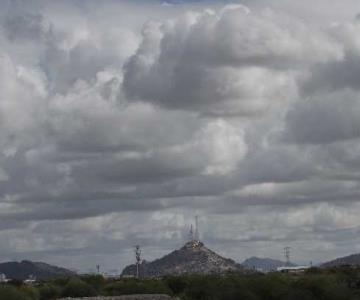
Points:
137	252
287	255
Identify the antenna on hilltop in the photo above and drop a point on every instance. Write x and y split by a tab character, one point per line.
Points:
137	251
287	255
191	233
196	235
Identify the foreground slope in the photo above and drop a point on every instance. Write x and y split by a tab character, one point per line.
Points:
192	258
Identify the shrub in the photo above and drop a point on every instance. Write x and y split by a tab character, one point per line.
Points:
96	281
203	288
8	292
31	292
78	288
176	284
324	287
133	286
49	292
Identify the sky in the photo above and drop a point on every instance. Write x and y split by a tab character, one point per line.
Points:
120	121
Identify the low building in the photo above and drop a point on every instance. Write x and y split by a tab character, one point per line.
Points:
295	269
31	280
3	278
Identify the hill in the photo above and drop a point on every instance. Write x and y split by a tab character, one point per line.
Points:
192	258
42	271
353	259
263	264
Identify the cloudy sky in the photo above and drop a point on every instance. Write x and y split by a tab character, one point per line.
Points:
122	120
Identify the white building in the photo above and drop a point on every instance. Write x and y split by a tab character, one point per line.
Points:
31	280
296	269
3	278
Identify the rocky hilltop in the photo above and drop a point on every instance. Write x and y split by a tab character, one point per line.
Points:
192	258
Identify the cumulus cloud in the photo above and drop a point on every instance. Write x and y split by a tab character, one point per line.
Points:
228	62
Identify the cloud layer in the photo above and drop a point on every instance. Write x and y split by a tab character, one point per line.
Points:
118	130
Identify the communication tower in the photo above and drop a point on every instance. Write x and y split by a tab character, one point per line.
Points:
191	233
196	234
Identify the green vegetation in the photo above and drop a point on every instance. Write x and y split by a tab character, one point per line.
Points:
77	287
12	293
128	287
316	284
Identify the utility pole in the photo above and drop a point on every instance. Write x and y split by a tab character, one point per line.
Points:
98	269
137	251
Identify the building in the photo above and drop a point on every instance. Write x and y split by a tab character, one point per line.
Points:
3	278
31	280
295	269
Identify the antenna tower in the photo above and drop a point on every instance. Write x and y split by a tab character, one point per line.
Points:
98	269
287	255
137	251
191	233
196	235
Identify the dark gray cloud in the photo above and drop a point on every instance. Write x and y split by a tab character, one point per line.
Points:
27	26
117	130
325	118
328	108
183	65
